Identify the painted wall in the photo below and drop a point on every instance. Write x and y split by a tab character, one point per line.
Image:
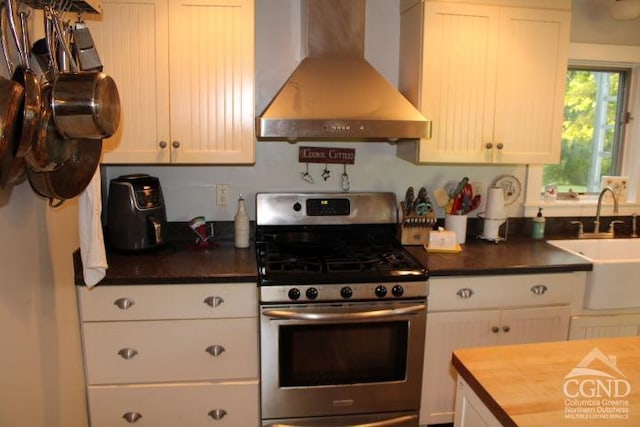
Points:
41	374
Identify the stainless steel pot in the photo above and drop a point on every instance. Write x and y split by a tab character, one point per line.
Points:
85	105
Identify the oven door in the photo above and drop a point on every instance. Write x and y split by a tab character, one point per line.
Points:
345	358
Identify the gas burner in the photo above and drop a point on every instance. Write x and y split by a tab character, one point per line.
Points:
293	264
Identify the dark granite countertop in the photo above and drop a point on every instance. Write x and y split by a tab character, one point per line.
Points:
181	261
178	262
517	255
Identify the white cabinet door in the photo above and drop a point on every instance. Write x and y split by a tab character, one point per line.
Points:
537	324
185	73
491	79
211	73
532	66
447	331
617	325
132	38
458	81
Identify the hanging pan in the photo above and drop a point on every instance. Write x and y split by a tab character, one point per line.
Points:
85	105
70	179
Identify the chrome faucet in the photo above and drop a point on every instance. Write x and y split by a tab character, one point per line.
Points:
596	229
615	206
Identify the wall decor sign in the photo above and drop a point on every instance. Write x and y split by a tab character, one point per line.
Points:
345	156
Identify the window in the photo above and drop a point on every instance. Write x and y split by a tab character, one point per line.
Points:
594	114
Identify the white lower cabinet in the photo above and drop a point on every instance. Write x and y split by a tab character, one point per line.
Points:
171	355
490	310
470	411
601	326
232	404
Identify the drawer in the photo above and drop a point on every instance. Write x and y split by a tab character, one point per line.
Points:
518	290
189	301
234	404
178	350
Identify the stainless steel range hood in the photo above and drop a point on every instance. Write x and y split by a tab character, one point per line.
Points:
334	93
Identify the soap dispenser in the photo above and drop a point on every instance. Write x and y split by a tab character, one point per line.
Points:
241	225
537	232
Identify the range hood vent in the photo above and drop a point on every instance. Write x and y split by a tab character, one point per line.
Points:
334	93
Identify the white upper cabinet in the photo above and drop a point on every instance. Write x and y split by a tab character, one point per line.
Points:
185	74
490	77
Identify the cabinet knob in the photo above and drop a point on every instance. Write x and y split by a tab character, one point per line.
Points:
132	417
128	353
213	301
215	350
489	145
499	145
506	328
538	289
162	144
217	414
465	293
175	144
495	329
124	303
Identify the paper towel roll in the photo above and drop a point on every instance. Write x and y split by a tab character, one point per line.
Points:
494	207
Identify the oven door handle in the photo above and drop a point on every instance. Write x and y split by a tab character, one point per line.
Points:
399	421
356	315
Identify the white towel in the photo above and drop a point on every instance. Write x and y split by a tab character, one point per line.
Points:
92	250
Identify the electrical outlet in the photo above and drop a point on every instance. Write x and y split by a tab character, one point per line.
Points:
222	194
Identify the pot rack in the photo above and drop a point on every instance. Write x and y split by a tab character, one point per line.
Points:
79	6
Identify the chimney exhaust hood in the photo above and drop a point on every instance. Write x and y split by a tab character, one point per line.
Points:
334	93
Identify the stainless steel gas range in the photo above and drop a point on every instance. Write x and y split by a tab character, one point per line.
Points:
343	312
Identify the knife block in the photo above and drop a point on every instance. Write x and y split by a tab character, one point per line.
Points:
415	229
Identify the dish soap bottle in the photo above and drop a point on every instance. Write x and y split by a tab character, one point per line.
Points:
241	225
537	232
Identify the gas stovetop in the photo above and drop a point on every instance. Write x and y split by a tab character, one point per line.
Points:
324	247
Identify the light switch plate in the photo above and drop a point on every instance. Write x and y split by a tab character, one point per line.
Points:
619	184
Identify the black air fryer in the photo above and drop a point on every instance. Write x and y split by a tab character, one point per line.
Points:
136	214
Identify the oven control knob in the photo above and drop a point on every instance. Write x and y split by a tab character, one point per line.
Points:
297	207
312	293
294	293
397	291
346	292
380	291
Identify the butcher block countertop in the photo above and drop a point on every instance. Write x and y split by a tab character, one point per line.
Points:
530	385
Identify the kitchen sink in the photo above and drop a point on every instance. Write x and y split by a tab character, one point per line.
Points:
613	282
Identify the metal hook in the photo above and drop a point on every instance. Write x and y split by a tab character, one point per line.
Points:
345	179
326	173
307	176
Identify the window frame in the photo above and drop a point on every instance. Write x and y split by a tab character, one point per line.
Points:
596	55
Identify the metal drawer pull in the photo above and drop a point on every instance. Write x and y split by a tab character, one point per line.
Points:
538	289
128	353
495	329
215	350
506	328
132	417
217	414
465	293
213	301
124	303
